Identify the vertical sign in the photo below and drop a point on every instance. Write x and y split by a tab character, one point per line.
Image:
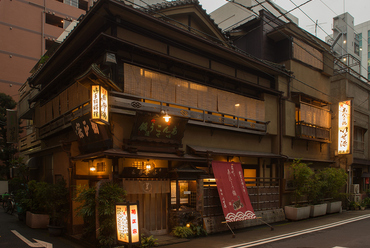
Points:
234	197
134	224
99	104
95	102
344	127
103	104
11	126
127	223
122	223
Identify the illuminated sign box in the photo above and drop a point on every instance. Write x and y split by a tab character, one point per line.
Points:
127	223
99	104
344	127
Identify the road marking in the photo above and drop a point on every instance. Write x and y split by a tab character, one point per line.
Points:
38	243
298	233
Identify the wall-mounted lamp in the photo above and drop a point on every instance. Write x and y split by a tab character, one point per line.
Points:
344	42
166	117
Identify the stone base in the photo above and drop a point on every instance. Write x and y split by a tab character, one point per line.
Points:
37	220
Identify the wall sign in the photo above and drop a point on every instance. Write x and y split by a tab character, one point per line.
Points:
344	127
99	104
127	223
91	136
154	128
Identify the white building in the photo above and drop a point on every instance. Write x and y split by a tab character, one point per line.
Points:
231	14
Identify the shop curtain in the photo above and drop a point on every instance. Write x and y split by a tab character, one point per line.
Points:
234	197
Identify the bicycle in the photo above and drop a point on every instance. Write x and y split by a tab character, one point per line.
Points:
4	199
9	204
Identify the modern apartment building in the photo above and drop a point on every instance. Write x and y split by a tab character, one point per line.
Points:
363	33
28	29
233	14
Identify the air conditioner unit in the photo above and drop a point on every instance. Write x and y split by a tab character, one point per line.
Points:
355	189
355	198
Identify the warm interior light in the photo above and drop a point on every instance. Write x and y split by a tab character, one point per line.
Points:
92	168
344	42
237	105
166	117
188	225
148	166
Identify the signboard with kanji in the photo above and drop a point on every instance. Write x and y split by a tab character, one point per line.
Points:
127	223
344	127
91	136
155	128
99	104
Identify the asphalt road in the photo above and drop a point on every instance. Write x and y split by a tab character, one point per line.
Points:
349	229
16	234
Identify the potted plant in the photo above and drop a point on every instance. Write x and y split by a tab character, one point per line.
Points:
363	205
302	176
316	196
36	216
57	206
334	180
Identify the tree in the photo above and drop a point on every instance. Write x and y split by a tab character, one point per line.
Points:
7	150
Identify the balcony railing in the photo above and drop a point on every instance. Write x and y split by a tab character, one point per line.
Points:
309	131
29	142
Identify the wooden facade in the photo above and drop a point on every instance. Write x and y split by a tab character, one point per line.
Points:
224	105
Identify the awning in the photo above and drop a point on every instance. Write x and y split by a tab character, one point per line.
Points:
149	155
313	160
365	174
200	150
359	161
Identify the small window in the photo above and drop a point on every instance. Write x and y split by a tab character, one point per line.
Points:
359	139
54	20
100	167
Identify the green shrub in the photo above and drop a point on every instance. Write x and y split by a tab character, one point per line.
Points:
109	194
182	232
302	177
148	241
198	230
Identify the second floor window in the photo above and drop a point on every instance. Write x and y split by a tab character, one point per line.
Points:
359	139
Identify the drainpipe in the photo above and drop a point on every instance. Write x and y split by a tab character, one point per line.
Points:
43	29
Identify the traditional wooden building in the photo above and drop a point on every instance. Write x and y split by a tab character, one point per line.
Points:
98	105
306	115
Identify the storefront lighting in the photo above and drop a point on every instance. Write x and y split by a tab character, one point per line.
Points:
166	117
99	104
92	168
127	223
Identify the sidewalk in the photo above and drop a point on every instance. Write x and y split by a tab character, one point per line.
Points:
256	233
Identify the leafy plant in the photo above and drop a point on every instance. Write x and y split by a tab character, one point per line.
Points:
148	241
302	176
333	180
109	194
57	204
182	232
366	202
198	230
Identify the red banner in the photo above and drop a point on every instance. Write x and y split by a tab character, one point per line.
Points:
232	191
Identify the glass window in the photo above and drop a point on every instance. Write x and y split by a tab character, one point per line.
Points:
183	194
73	3
359	138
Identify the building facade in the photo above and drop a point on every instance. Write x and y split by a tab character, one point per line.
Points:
28	30
143	64
305	131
